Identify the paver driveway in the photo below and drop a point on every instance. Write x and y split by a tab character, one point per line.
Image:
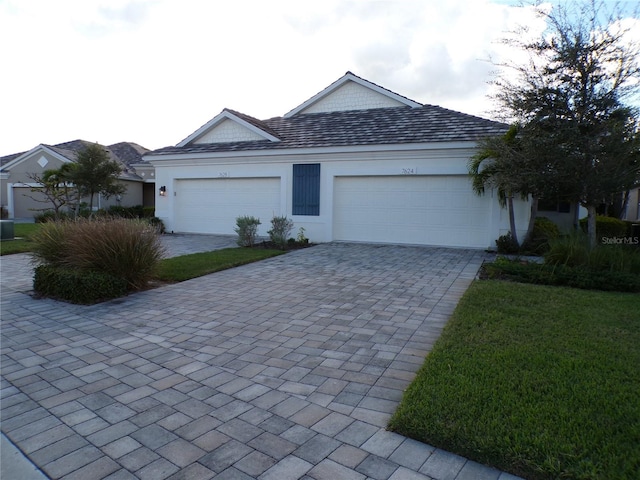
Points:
287	368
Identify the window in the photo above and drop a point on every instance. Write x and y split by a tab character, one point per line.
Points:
306	189
554	206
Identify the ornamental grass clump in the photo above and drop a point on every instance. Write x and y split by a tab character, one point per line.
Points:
123	248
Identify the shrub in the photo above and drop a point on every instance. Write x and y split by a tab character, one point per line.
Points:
301	239
607	227
506	244
77	286
574	251
570	250
157	223
280	229
126	249
247	230
148	212
579	277
50	216
136	211
544	230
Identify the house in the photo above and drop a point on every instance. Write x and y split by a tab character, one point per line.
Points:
355	162
16	171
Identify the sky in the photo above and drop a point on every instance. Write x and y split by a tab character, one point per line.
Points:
153	71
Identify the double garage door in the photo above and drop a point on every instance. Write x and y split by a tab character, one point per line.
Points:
428	210
412	209
212	205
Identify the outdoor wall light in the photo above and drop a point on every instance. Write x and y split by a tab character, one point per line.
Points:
163	191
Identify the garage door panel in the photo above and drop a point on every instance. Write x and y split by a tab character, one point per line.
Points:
431	210
212	205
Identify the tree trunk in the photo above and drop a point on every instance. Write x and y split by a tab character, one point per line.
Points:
512	220
532	219
591	225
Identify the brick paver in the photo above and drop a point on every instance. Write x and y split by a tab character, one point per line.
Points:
286	368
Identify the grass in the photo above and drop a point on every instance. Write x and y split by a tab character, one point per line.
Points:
539	381
182	268
21	243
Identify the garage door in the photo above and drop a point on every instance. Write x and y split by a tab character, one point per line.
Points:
429	210
212	205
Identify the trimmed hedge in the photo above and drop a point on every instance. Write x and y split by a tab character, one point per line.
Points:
542	274
607	227
77	286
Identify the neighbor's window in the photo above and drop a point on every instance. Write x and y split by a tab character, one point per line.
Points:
306	189
553	206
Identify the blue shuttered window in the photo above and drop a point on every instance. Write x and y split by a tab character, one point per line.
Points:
306	189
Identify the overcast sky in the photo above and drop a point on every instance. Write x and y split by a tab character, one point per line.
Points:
153	71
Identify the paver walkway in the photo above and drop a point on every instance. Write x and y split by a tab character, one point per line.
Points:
283	369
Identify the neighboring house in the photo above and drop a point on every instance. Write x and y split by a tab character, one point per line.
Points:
355	162
632	212
15	170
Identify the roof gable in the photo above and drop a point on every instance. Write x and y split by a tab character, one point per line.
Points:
34	151
230	126
351	92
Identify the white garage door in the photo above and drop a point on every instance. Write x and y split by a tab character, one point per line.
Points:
212	205
428	210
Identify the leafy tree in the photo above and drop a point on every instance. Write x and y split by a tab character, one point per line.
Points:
95	173
55	187
570	99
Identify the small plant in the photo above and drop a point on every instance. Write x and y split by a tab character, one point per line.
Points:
280	229
77	286
247	230
301	239
506	244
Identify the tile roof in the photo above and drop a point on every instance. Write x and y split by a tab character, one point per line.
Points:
380	126
127	154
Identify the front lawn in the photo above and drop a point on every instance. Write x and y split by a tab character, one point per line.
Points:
543	382
178	269
21	243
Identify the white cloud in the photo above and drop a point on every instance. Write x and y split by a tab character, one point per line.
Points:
153	71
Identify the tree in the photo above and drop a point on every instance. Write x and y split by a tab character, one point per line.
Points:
570	99
490	168
95	173
513	166
55	187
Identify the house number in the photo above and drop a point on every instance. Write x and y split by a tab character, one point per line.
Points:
223	175
409	171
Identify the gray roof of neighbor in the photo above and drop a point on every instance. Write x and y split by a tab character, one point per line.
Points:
380	126
127	154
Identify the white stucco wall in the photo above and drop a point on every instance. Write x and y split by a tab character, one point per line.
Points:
445	160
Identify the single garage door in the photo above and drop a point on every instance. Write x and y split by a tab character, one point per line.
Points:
428	210
212	205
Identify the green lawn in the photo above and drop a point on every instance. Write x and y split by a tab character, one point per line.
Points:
182	268
21	242
543	382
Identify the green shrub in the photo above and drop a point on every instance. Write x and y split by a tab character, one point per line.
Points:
280	229
580	277
50	216
77	286
126	249
607	227
574	251
156	223
247	230
544	230
571	250
506	244
136	211
148	212
301	239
